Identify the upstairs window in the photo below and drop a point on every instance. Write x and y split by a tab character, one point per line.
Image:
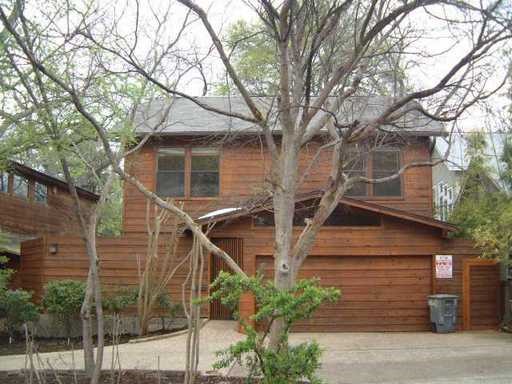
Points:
170	180
204	177
4	182
20	186
188	172
40	193
357	166
375	165
386	163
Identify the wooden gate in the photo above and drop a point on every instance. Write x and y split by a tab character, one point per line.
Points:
481	294
234	248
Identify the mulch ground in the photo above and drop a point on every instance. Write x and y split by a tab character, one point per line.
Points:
127	377
18	345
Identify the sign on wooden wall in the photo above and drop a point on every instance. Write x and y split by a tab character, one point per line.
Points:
444	266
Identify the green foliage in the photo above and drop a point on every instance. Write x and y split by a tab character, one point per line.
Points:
483	214
5	274
487	220
285	363
167	308
17	308
110	222
254	57
117	301
63	300
506	158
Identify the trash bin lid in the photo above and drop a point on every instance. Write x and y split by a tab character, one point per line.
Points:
443	296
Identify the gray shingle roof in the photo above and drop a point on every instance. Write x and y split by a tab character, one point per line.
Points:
184	117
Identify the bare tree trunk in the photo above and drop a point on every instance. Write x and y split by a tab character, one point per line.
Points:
194	314
158	269
86	317
96	287
284	210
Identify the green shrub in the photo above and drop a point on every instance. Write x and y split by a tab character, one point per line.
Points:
63	300
284	363
16	308
167	308
5	274
117	301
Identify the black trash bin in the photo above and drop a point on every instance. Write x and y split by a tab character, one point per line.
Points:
443	312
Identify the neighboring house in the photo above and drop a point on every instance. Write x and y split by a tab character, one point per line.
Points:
33	203
378	246
448	177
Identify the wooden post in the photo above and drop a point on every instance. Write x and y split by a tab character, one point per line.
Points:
434	280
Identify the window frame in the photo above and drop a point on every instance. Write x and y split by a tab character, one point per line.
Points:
204	150
369	171
400	177
364	171
29	189
188	170
5	176
34	195
158	154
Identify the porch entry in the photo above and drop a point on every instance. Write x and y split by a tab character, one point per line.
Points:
234	248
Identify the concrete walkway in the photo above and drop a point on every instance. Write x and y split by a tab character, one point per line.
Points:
469	357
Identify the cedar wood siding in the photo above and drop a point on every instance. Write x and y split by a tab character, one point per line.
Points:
243	168
28	217
398	255
401	246
119	259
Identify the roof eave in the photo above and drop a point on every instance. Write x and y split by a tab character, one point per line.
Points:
275	132
404	215
43	177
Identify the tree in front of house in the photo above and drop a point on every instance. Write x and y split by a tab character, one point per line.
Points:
254	56
283	363
483	214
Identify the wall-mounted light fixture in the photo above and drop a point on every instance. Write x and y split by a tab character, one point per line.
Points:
53	248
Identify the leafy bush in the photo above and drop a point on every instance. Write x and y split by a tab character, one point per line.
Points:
117	301
167	308
17	308
284	363
63	300
481	213
5	274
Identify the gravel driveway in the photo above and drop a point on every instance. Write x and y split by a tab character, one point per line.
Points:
466	357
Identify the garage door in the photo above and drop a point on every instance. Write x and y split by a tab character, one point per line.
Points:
377	293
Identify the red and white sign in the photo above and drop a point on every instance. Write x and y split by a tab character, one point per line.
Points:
444	266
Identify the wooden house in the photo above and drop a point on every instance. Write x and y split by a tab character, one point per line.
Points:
379	246
33	203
